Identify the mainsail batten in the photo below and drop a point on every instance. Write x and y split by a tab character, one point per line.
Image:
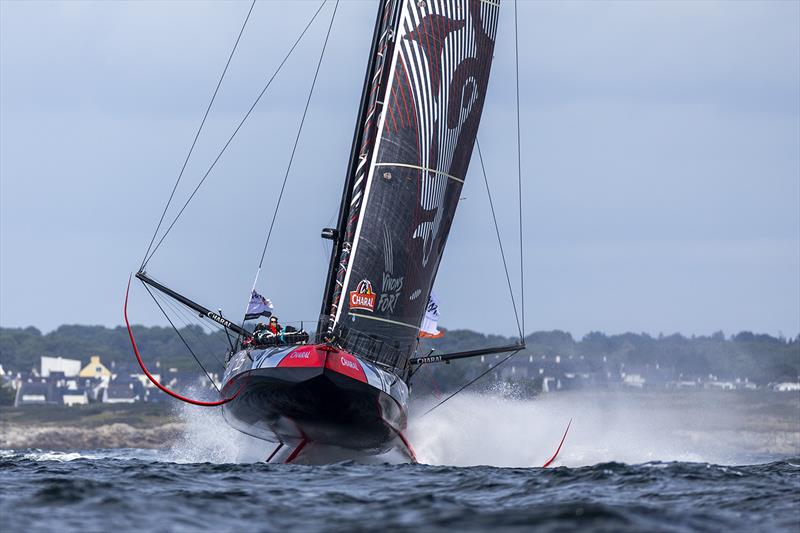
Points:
403	204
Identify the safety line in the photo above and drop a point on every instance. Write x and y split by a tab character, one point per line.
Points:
155	382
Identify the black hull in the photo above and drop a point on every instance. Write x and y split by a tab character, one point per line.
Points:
314	404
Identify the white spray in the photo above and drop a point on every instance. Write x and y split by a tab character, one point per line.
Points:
499	430
715	427
208	438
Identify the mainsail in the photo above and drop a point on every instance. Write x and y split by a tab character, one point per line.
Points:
429	77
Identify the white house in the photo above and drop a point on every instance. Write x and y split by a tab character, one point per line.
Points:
75	397
70	367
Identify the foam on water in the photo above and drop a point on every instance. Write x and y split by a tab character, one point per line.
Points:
90	455
33	455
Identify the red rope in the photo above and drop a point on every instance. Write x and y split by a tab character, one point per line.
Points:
155	381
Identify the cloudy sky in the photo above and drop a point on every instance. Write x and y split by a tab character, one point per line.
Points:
661	162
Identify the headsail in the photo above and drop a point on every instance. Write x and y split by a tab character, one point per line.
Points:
404	191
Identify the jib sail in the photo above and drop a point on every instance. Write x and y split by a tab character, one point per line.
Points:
427	94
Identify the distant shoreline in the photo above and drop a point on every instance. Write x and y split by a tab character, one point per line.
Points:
54	427
159	426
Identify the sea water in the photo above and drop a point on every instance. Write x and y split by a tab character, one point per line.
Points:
629	463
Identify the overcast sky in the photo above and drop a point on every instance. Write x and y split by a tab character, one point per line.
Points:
661	163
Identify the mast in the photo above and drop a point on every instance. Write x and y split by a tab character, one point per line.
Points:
374	62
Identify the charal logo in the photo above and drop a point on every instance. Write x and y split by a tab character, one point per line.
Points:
363	297
348	363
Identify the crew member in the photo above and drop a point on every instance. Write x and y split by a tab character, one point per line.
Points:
274	327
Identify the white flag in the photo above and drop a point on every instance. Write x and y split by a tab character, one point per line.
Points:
429	328
258	306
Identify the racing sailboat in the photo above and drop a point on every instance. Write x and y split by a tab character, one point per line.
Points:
348	386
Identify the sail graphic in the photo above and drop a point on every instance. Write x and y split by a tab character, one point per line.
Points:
415	151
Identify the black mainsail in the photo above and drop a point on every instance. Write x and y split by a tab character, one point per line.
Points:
429	76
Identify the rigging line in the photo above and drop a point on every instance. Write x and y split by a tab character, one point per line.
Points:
181	337
188	330
197	135
291	159
189	320
230	139
207	326
299	131
182	315
519	174
506	358
499	240
208	335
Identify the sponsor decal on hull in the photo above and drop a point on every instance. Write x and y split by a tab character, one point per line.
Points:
363	297
346	364
307	356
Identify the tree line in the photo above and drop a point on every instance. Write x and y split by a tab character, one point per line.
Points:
761	358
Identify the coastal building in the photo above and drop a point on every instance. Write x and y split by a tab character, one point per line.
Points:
30	393
719	385
786	386
122	393
95	369
68	367
39	391
633	380
75	397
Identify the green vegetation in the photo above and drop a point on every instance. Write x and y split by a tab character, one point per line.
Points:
761	358
20	349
